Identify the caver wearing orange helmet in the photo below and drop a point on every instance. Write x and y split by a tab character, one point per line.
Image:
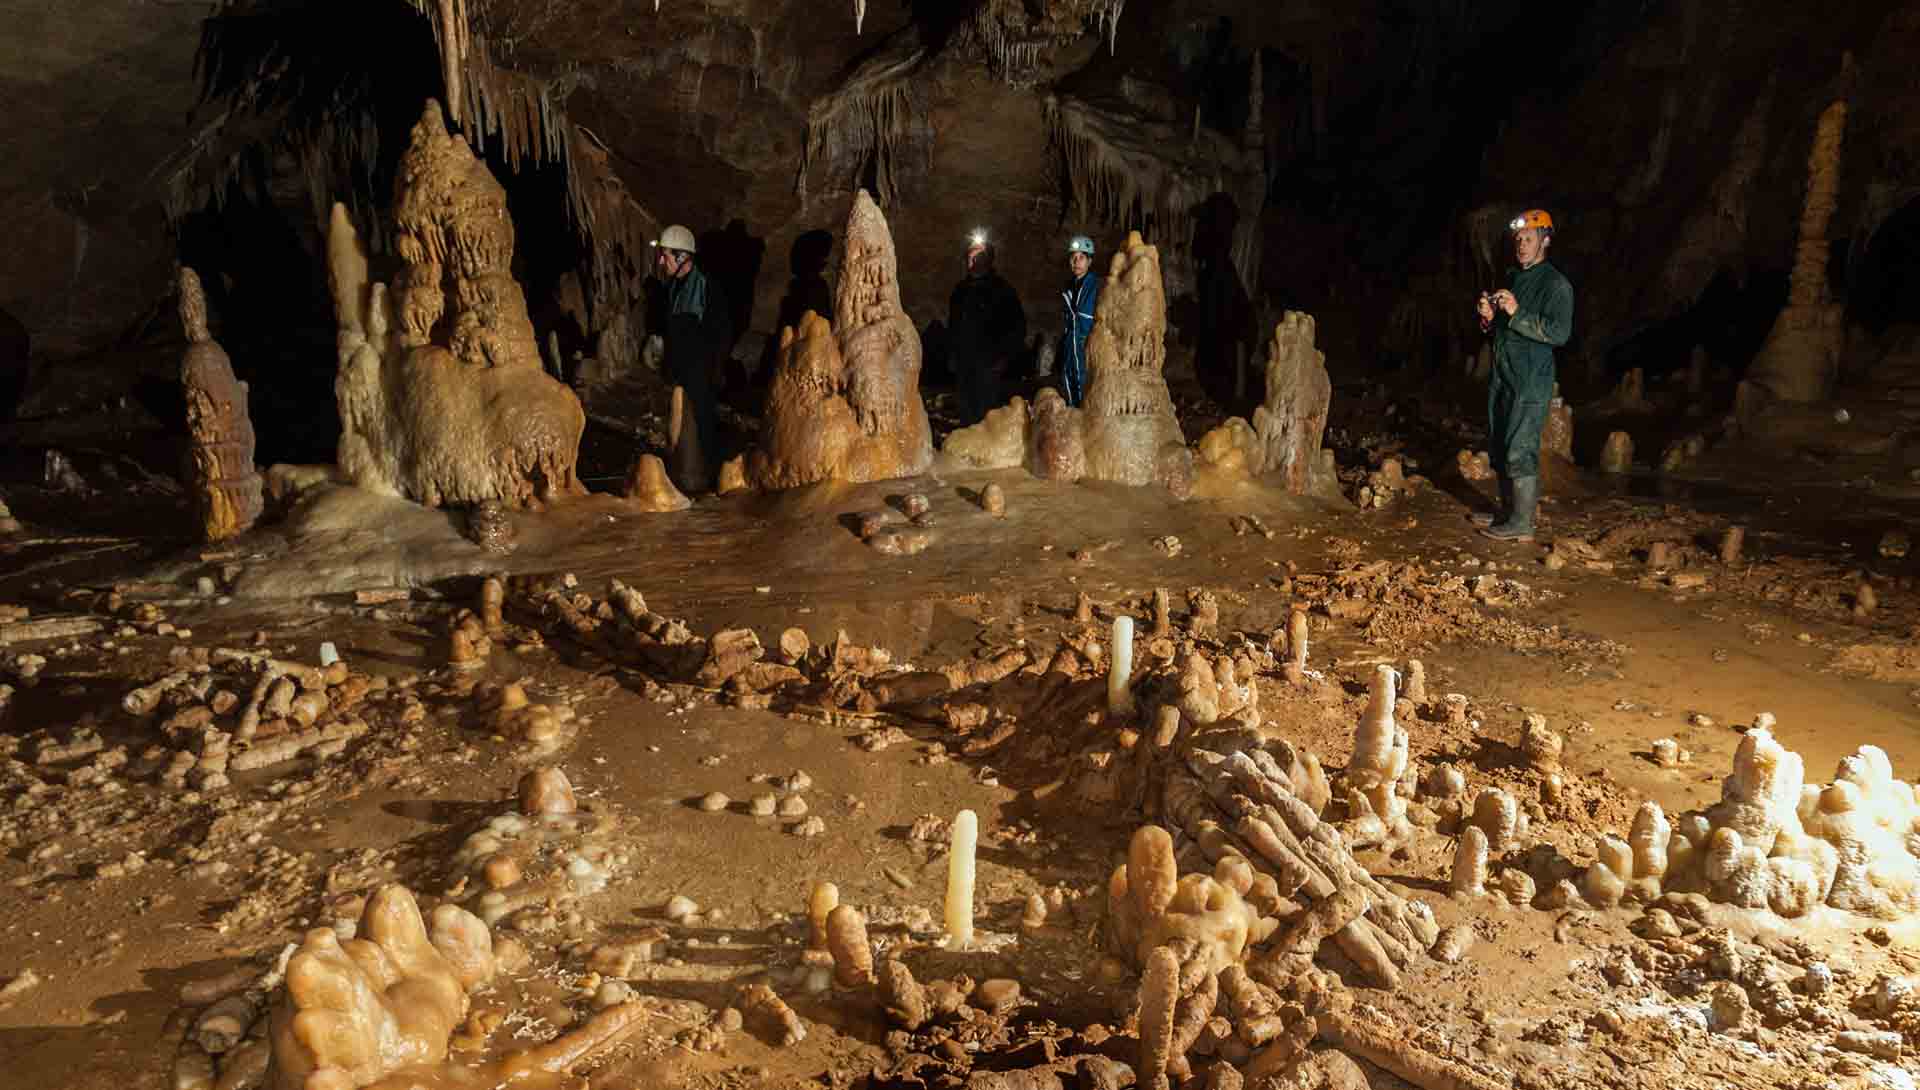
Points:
1528	319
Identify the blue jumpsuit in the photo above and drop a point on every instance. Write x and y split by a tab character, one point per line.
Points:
1081	298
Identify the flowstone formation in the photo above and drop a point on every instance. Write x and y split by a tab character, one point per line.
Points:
442	395
226	488
844	402
1283	442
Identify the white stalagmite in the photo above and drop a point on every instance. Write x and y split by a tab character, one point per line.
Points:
1120	668
960	850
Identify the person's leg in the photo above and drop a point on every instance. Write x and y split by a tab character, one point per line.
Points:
1532	393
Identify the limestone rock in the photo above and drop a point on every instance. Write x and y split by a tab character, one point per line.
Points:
844	402
443	398
225	486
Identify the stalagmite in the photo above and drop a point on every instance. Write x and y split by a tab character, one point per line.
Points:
1380	757
1159	989
1470	863
1297	643
1120	668
1290	423
844	402
1416	681
1617	455
651	488
689	469
821	901
1541	746
852	954
350	1016
471	416
226	489
1133	434
1731	544
1498	815
1800	359
962	840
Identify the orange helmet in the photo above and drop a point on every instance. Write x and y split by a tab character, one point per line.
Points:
1532	217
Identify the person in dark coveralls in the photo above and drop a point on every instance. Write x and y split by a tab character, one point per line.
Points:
698	326
1081	297
986	327
1528	319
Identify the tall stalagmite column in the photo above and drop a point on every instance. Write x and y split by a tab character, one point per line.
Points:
220	473
1801	356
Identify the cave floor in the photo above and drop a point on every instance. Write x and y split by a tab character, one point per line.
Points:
119	892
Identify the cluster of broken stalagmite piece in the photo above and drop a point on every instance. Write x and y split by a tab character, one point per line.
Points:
242	710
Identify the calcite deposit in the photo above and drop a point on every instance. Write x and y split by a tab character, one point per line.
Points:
1132	433
354	1012
443	398
1282	445
844	403
220	471
1776	842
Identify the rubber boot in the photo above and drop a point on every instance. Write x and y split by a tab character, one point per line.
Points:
1518	525
1483	518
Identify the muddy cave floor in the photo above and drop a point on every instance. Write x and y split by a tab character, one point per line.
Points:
1615	657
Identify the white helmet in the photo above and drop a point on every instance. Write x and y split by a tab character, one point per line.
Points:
1081	244
677	238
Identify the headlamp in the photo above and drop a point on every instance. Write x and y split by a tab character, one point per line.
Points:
979	236
1519	224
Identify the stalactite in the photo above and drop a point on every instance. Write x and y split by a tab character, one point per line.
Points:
868	118
859	15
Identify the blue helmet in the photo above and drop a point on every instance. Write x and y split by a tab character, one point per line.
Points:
1081	244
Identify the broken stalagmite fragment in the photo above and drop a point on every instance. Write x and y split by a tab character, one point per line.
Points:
963	839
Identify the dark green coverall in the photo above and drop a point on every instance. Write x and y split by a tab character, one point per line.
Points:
1522	384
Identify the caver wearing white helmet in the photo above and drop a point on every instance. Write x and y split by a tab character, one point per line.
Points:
691	313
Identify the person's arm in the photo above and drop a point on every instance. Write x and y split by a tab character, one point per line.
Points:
1552	324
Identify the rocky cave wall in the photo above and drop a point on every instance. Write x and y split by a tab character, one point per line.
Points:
96	101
